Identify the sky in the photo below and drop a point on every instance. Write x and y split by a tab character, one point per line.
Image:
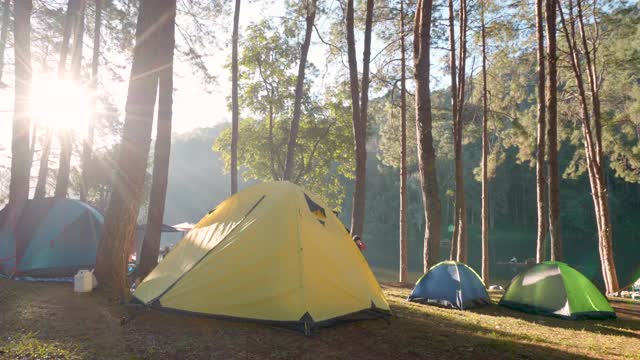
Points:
193	106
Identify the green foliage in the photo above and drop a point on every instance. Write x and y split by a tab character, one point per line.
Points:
387	114
621	94
512	84
324	154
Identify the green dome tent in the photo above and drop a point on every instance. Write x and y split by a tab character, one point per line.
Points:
554	288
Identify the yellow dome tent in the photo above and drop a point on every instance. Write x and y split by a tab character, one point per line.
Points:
270	253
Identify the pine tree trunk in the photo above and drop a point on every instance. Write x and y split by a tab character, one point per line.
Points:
41	186
66	140
541	191
6	12
426	153
552	132
87	148
461	202
151	243
32	148
593	147
272	159
360	131
403	154
66	37
357	211
78	41
606	242
485	155
570	37
128	181
20	167
62	180
235	112
43	169
297	106
453	255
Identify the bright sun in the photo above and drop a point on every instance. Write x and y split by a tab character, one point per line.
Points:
60	104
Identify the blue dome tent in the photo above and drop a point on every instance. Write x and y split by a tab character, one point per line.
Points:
51	238
450	284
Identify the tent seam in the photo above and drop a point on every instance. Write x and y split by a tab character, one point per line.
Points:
566	291
301	260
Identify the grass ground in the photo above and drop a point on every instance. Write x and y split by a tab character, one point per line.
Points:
49	321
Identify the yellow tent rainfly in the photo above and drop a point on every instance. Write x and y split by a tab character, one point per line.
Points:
271	253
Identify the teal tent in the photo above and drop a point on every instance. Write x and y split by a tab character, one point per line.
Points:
450	284
51	238
556	289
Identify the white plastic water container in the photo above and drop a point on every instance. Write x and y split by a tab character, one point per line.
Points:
83	281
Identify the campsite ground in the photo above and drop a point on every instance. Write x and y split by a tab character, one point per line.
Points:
49	321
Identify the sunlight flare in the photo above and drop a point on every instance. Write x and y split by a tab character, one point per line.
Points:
61	104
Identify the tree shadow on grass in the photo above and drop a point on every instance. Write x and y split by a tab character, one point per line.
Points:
439	335
410	335
92	329
622	326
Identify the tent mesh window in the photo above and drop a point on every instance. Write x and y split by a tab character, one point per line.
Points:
316	209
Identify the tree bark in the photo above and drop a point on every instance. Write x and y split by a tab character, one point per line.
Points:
66	37
593	147
594	84
151	243
461	203
43	170
32	148
426	153
6	12
359	101
353	66
459	239
128	180
66	140
62	180
20	167
78	41
87	147
541	191
297	106
403	153
552	132
485	154
235	112
454	117
360	135
590	152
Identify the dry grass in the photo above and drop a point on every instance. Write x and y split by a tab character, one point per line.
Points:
48	321
390	276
